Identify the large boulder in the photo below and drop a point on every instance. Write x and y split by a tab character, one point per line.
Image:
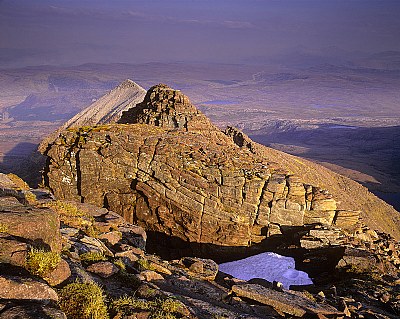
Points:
37	226
25	288
171	171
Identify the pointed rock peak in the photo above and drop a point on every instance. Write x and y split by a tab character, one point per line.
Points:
128	83
106	110
170	109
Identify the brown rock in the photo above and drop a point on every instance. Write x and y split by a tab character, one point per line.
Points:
128	257
32	311
111	238
13	186
324	217
12	251
168	108
159	268
172	171
360	260
60	274
324	204
134	235
283	302
40	226
104	269
23	288
347	219
205	269
150	275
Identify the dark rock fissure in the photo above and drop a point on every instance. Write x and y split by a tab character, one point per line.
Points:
79	177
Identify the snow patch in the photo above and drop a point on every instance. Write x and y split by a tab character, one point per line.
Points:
268	266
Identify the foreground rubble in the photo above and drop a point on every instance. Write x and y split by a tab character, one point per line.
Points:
97	248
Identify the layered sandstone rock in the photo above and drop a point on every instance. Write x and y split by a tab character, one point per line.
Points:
170	170
352	199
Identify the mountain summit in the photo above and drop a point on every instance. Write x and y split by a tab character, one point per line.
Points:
170	109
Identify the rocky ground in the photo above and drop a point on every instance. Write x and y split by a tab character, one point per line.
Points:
170	182
63	259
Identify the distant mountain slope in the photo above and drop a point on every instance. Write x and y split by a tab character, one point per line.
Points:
107	109
349	194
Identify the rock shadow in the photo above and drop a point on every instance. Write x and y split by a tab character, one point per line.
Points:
25	161
314	262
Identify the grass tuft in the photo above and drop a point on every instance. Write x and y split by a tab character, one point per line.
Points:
120	264
41	263
83	301
144	264
160	308
72	216
92	256
3	228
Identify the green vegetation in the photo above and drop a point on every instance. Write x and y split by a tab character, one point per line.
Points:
126	277
120	264
66	209
83	301
3	228
41	263
92	256
72	216
130	302
309	295
30	197
160	308
144	264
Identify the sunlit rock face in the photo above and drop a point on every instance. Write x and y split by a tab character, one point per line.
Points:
173	172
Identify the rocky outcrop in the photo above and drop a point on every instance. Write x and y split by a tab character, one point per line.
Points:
107	109
353	200
285	302
170	109
19	219
171	171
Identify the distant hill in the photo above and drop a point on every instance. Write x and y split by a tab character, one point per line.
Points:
107	109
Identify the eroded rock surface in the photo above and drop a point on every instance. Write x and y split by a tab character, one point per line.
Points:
173	172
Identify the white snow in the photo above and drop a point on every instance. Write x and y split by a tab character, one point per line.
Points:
268	266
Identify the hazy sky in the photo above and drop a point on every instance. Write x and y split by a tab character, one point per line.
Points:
78	31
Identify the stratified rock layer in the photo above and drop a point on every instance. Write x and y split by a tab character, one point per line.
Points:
350	195
170	170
